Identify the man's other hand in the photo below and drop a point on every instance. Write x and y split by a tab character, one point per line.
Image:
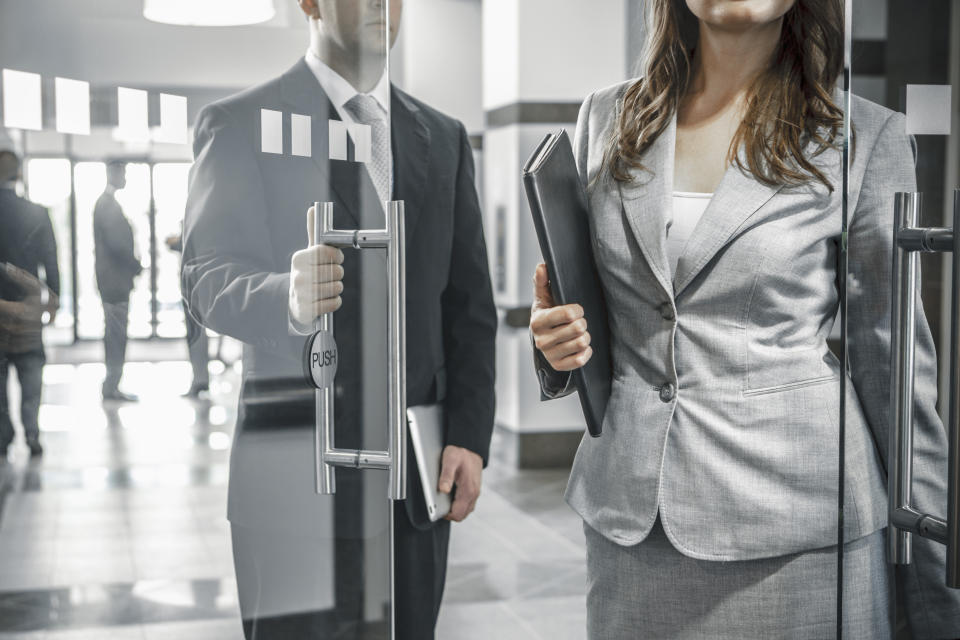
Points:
464	469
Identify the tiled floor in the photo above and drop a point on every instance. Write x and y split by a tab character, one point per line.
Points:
120	531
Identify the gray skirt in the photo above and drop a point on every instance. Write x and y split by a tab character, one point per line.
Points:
651	590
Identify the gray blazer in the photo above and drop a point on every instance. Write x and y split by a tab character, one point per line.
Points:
723	414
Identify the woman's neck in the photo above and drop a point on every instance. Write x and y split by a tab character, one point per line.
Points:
727	61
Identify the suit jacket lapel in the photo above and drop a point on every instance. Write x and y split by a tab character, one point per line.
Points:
736	199
645	200
300	89
410	142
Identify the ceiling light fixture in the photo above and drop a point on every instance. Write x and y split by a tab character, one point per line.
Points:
208	13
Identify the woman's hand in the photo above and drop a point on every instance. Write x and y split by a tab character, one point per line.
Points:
560	333
316	279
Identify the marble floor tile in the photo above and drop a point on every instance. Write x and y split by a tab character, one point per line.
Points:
121	531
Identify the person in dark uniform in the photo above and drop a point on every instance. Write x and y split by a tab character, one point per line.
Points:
116	266
27	244
248	272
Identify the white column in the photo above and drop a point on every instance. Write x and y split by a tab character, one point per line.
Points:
437	57
541	58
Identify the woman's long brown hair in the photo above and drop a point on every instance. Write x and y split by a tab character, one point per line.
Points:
788	106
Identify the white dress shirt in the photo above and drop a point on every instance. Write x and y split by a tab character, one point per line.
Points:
341	92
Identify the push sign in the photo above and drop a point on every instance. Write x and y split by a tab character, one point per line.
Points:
320	359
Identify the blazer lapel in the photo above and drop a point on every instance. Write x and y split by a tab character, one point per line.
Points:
645	200
301	91
736	199
410	142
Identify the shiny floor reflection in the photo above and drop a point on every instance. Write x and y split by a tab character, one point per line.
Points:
120	530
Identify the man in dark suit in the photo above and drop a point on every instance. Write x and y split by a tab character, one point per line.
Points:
246	273
116	264
27	243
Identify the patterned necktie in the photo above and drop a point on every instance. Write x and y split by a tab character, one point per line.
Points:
365	109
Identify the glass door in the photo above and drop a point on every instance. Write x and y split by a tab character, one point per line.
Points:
170	181
48	183
309	503
903	174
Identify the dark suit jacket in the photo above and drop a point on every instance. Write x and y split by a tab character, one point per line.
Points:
245	218
27	240
116	263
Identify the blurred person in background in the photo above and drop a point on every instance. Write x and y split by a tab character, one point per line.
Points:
196	337
28	250
116	266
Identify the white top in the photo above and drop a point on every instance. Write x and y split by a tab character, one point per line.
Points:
682	219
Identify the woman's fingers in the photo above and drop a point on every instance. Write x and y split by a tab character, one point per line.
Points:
572	361
564	350
543	320
542	296
550	338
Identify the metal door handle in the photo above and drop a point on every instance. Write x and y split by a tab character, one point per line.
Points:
905	520
327	456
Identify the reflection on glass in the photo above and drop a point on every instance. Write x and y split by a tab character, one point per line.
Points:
21	100
908	127
170	189
48	184
90	178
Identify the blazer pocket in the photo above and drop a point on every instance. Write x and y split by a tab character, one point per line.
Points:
789	386
771	368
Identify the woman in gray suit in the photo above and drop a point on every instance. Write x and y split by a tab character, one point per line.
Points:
714	184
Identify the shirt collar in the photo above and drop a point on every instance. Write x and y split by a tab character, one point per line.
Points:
339	90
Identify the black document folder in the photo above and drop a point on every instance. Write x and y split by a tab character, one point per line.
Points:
559	207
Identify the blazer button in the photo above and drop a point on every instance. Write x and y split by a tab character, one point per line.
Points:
668	392
666	311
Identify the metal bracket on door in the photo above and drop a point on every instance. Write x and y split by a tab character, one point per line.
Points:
905	520
322	351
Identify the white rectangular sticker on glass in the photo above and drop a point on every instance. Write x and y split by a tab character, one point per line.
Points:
361	136
173	119
132	118
271	131
300	135
928	109
21	100
73	106
338	140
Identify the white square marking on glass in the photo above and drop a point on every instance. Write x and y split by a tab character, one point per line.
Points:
928	109
73	106
361	135
338	140
300	135
173	119
132	115
271	131
21	100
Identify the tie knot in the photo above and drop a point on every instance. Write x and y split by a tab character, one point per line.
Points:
365	109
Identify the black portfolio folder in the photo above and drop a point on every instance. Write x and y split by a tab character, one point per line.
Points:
559	207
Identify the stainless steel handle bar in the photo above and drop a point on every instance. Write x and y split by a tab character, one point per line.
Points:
905	520
395	458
